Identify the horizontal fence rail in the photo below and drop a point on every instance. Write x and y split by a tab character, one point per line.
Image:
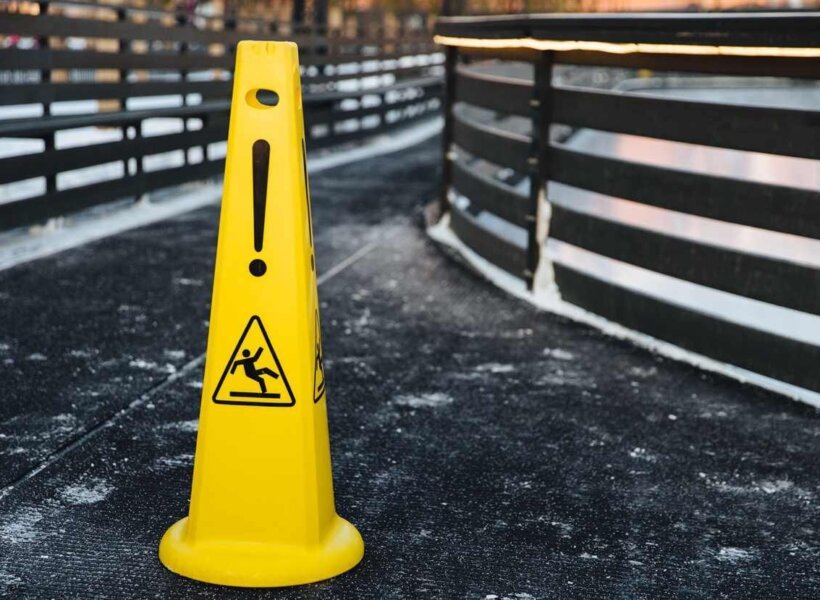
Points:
724	262
100	102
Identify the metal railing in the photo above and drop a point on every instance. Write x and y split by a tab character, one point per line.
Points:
101	102
502	164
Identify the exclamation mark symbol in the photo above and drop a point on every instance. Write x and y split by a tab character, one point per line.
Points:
261	162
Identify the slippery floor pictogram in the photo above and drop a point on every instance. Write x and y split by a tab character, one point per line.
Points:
318	365
253	375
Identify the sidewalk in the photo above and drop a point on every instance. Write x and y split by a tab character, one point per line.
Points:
484	449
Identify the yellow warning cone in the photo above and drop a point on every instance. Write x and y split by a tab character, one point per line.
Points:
262	511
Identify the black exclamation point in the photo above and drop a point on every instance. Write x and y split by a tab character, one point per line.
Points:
261	161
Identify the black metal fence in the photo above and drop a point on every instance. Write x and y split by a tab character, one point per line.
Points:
101	101
502	164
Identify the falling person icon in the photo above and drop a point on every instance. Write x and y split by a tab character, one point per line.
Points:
255	354
248	363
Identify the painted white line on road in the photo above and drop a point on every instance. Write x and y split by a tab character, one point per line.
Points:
360	253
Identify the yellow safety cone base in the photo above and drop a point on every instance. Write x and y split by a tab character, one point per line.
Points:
261	565
262	511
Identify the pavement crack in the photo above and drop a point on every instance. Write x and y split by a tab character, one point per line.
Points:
347	262
101	425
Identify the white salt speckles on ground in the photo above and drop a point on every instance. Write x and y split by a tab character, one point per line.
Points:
734	555
642	454
90	493
495	368
7	579
517	334
364	320
642	372
772	487
19	527
79	353
186	281
522	333
571	378
4	347
513	484
180	460
722	486
708	415
198	384
382	478
148	365
63	423
564	528
780	486
41	428
37	356
431	400
587	556
190	426
174	354
559	354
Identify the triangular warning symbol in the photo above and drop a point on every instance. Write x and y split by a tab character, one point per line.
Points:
254	376
318	365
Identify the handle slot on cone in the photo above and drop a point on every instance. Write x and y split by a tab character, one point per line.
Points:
262	98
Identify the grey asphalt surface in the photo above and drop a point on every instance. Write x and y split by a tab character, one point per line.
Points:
484	449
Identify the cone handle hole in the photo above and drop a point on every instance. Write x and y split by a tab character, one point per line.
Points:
261	98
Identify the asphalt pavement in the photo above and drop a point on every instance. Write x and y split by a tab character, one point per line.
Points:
483	448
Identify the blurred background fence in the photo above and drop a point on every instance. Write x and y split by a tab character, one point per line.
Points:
621	160
103	100
658	170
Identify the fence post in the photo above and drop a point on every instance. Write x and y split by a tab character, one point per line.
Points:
181	19
447	156
230	23
123	47
541	114
45	77
297	16
320	15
